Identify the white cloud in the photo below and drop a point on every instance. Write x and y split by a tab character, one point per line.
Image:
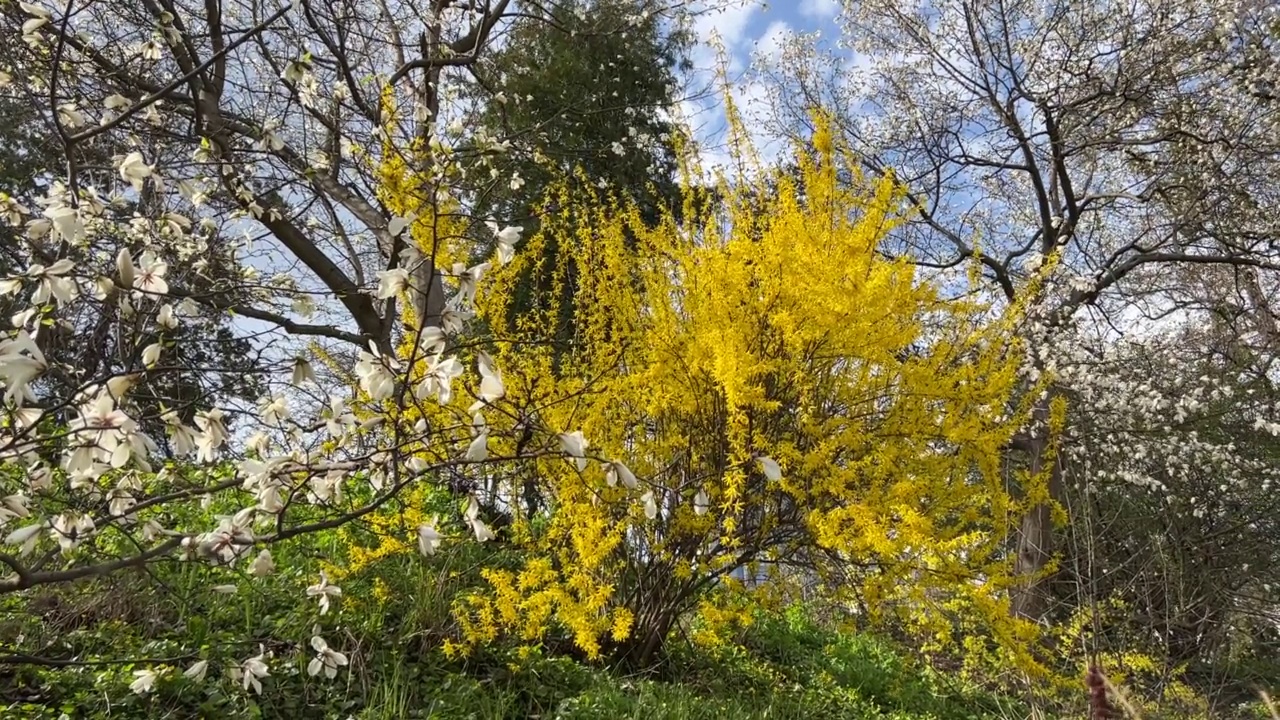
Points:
819	9
751	96
770	43
727	19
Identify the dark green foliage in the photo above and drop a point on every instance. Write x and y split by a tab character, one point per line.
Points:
581	81
577	79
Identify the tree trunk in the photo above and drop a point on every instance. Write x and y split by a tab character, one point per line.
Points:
644	652
1036	538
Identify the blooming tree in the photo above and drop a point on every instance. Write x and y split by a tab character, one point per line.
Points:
1133	143
296	172
1172	546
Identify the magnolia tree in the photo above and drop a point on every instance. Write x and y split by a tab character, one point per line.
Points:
294	167
1131	143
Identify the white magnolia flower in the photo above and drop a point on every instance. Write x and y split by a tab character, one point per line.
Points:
35	10
262	565
575	445
392	282
51	283
250	672
432	340
27	417
149	277
37	228
327	660
144	681
438	380
453	320
124	268
296	70
134	170
258	472
337	418
650	505
770	468
326	488
65	220
11	211
270	498
468	279
197	670
188	308
506	238
115	101
152	529
22	319
701	502
165	318
274	410
104	434
149	50
375	377
304	305
400	224
213	433
120	385
70	115
482	531
615	471
181	438
27	537
428	539
230	539
323	590
302	372
13	506
121	499
31	26
21	362
270	139
478	450
151	354
491	387
71	528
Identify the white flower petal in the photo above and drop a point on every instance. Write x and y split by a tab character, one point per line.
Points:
770	468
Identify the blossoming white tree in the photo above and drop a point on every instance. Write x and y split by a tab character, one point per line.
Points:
255	141
1132	142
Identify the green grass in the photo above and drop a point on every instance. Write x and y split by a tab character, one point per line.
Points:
784	666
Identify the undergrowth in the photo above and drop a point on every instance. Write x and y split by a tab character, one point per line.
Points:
394	620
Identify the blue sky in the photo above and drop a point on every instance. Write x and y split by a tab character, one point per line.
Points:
747	29
743	24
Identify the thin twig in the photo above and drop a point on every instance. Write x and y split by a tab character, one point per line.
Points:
158	94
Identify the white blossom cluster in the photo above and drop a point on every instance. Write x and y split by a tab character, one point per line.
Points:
185	228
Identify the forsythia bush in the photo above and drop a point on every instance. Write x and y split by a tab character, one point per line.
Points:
752	384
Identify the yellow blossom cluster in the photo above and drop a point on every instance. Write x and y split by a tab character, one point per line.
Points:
762	332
